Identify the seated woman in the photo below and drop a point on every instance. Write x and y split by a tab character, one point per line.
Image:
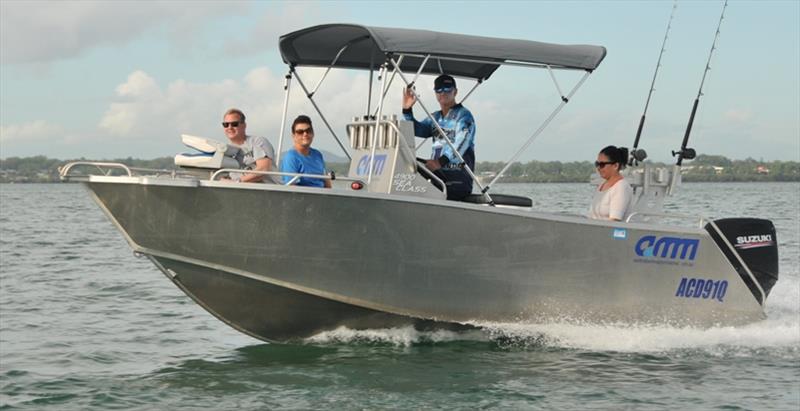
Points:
613	197
303	159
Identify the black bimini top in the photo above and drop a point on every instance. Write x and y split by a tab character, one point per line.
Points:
455	54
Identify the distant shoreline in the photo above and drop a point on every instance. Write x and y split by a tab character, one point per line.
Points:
705	169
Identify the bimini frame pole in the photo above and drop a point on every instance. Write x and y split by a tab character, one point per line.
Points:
310	96
439	128
287	82
369	91
478	83
421	67
322	116
689	153
377	130
503	63
469	93
335	59
388	85
564	101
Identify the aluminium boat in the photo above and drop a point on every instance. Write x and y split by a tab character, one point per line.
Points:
384	248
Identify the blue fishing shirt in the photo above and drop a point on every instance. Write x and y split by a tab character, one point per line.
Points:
458	124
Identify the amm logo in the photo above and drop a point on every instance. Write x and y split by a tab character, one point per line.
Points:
667	247
377	166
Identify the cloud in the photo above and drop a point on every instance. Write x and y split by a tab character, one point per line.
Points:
275	22
146	113
139	85
142	109
738	115
33	131
44	31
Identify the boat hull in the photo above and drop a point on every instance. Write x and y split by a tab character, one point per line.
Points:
307	260
274	313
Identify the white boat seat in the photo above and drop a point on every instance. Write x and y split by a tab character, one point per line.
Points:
211	154
204	160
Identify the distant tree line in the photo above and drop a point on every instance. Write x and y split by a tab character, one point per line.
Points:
719	168
703	168
41	169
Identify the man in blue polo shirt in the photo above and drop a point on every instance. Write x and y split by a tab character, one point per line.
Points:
303	159
459	126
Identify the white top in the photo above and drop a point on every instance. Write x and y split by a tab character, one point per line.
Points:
612	202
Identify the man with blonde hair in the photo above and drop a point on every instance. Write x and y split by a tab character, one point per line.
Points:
256	153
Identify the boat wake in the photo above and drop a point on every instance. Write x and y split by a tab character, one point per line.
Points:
401	336
779	333
655	338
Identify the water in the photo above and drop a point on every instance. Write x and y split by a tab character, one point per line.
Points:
86	325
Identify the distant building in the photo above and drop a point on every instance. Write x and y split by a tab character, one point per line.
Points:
691	169
762	170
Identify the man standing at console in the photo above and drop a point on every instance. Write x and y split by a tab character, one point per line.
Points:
256	153
459	126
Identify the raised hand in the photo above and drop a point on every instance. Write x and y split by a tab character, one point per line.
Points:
408	98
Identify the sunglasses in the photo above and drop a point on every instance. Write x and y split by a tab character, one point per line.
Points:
226	124
443	90
304	130
601	164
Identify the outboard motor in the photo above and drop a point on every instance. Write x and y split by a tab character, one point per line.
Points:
754	240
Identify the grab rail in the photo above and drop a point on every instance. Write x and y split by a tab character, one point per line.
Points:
106	168
700	219
280	173
433	177
63	172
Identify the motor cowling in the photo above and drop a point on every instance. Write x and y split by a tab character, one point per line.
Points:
755	242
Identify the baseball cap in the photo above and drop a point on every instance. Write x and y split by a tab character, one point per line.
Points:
444	81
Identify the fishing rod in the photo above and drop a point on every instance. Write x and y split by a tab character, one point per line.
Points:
636	154
689	153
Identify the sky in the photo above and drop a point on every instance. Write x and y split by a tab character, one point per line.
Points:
115	79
